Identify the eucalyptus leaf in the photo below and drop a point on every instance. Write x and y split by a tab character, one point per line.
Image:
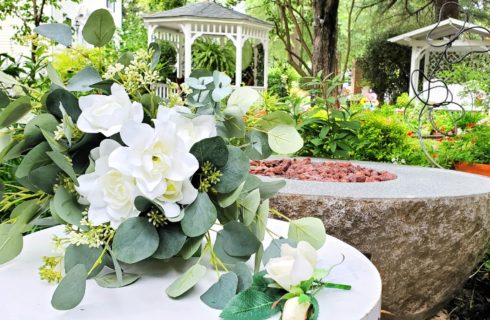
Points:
67	207
218	295
172	239
259	225
136	239
250	204
155	57
62	97
99	28
244	274
35	158
55	145
64	164
84	79
234	172
71	289
15	111
284	139
109	280
186	281
233	125
213	150
85	255
309	229
191	246
54	75
59	32
243	98
220	252
32	130
45	177
258	147
238	240
227	199
10	245
274	119
199	216
270	188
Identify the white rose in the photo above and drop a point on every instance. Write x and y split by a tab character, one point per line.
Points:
109	192
294	310
153	156
107	114
293	266
190	128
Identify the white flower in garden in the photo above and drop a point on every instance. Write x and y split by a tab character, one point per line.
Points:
107	114
153	156
294	310
189	128
178	192
109	192
293	266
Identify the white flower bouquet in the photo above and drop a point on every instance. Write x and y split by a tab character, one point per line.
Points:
135	177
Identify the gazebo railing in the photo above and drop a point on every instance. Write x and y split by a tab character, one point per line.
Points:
163	90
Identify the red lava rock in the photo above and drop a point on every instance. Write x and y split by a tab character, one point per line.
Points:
305	169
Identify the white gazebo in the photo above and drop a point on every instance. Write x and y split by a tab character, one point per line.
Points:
427	45
182	26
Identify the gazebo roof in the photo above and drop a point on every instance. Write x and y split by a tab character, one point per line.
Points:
438	31
205	10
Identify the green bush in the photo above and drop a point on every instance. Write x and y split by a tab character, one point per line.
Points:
472	146
168	59
386	139
280	78
386	65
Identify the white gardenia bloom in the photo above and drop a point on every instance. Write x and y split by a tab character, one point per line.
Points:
107	114
153	156
109	192
178	192
294	310
293	266
190	129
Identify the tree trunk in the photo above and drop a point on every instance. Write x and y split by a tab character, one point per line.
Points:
325	39
450	10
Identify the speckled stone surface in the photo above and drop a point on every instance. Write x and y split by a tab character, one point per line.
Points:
424	231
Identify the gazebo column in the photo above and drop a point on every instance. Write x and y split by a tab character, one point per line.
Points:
415	65
186	30
266	61
151	32
238	56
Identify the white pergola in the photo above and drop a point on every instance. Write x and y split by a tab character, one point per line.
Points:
474	39
182	26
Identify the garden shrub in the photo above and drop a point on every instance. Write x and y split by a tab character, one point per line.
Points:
280	78
386	139
69	61
211	55
168	59
386	65
472	146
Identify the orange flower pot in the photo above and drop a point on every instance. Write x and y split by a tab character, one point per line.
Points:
477	168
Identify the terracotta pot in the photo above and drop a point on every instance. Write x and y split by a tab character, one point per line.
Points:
477	168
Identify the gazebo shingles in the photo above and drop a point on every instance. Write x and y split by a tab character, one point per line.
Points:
206	10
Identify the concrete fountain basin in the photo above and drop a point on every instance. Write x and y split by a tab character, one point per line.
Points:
424	231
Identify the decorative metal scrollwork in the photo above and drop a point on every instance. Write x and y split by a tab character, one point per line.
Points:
422	98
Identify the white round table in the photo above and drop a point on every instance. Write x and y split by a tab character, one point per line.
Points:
23	296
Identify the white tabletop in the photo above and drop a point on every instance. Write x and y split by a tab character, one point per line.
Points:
23	296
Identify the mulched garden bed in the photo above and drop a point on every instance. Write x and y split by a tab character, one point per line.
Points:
305	169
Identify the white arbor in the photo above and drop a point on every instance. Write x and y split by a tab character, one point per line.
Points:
427	45
182	26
